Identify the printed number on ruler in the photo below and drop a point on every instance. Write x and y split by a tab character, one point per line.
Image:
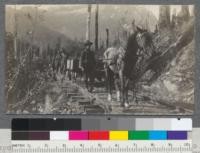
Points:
172	146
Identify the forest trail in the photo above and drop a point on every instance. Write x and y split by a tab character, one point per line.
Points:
69	97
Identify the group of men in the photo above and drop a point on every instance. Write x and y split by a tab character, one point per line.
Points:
87	59
87	62
61	63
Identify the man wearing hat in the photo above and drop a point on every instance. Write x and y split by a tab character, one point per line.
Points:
87	63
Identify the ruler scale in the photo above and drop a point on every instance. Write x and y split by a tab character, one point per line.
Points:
171	146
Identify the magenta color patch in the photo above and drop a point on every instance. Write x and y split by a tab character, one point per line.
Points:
78	135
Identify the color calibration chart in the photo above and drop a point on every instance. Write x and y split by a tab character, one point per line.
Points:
95	136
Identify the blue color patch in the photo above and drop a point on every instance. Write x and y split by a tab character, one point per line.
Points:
157	135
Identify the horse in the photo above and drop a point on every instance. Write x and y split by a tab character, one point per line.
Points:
120	64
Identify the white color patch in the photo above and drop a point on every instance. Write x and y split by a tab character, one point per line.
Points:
59	135
184	124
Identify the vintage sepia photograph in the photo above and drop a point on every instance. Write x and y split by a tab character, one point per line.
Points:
99	59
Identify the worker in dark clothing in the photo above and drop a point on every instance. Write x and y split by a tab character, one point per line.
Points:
87	64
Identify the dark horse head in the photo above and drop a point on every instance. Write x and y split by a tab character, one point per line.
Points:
144	38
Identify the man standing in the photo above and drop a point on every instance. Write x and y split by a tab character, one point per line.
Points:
87	63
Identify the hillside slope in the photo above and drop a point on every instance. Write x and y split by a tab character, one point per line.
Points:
174	81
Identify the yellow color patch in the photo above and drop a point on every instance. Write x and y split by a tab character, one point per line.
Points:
118	135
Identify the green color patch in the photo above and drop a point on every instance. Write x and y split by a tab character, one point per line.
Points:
138	135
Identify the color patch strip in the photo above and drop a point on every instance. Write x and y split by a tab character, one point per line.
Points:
78	135
44	124
157	135
138	135
59	135
98	135
177	135
114	124
118	135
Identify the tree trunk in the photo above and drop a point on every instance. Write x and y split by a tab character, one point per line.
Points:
96	28
107	38
88	22
15	34
173	20
185	13
164	17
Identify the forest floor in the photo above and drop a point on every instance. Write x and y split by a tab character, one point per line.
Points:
70	97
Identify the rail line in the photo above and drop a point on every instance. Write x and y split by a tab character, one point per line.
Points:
97	103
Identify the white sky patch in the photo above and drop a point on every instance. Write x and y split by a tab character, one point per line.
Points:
155	9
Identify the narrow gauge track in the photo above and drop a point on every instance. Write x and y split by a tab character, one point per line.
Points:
71	97
97	103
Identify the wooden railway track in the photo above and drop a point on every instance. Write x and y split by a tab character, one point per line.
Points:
71	97
97	103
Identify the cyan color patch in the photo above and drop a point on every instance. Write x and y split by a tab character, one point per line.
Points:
157	135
